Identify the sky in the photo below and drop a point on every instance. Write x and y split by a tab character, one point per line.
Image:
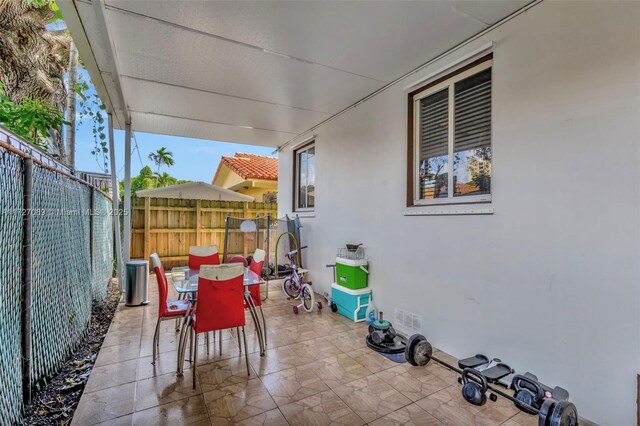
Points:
195	159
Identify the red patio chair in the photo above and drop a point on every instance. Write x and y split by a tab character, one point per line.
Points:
202	255
219	306
167	309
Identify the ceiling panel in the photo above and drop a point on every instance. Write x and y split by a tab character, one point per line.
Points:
163	53
145	96
377	39
263	72
151	123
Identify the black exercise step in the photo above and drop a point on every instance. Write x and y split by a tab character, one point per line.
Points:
497	372
473	362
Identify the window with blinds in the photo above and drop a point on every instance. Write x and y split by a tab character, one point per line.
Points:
452	137
305	178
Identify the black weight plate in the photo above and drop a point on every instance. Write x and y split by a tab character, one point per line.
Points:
410	349
545	412
564	414
422	352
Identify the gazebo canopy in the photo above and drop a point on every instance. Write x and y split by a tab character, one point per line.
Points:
194	191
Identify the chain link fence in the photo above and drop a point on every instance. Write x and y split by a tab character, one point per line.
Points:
10	284
72	263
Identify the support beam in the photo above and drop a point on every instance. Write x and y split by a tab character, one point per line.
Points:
27	275
115	206
126	235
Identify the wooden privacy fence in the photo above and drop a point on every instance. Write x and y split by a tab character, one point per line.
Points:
170	226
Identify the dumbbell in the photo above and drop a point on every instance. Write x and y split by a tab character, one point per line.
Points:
419	352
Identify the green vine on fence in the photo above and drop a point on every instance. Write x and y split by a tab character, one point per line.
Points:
90	105
31	119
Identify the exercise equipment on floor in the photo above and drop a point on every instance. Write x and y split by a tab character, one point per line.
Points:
383	338
493	370
552	412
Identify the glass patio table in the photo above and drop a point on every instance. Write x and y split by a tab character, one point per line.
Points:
189	285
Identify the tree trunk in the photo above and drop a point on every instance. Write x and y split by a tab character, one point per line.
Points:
71	107
33	59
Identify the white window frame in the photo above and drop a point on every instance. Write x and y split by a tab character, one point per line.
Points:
450	84
296	180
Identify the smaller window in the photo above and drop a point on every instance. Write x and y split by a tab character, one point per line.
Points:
305	177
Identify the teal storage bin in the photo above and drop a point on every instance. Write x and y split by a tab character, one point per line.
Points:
351	303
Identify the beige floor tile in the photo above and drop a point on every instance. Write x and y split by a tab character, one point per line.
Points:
316	348
411	415
166	363
122	337
372	360
291	385
522	419
307	354
340	369
112	375
325	408
187	411
270	418
348	341
117	353
163	389
120	421
450	408
220	374
168	342
371	398
413	382
238	402
276	359
105	405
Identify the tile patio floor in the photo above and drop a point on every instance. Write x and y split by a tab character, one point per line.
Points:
317	371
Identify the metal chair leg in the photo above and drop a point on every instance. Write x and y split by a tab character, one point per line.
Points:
195	360
246	351
206	341
156	342
220	341
190	345
238	337
182	342
264	326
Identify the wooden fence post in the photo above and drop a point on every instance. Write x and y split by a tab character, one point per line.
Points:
27	276
198	222
147	228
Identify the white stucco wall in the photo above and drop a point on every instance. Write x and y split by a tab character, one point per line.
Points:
550	282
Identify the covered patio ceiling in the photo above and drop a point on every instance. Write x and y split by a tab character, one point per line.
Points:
259	73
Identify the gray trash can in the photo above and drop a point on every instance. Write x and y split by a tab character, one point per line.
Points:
136	283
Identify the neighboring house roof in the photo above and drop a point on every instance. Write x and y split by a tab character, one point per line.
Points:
194	191
250	166
465	188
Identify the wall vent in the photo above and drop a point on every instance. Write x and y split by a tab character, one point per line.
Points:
407	322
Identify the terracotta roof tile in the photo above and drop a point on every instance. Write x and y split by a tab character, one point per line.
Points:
252	166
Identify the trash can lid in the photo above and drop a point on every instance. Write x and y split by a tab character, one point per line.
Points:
137	262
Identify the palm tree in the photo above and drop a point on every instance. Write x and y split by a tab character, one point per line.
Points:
161	157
